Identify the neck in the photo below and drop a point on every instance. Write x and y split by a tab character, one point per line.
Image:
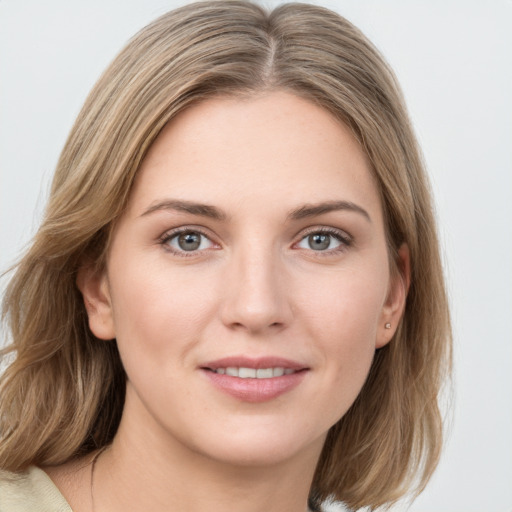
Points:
151	472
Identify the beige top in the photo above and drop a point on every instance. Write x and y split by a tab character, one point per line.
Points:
32	491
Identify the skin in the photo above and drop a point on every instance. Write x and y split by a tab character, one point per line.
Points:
255	287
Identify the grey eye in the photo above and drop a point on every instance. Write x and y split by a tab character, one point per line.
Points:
320	242
189	241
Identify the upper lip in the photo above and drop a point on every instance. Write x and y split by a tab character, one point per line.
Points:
254	362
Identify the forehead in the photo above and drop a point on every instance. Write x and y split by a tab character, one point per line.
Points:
256	150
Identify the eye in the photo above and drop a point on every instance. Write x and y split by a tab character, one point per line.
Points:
188	241
323	241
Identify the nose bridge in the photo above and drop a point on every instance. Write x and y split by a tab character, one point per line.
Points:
256	293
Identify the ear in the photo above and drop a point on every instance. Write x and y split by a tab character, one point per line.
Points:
395	301
96	293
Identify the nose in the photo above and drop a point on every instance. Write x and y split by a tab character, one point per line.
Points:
256	296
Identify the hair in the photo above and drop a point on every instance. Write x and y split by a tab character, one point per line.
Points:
62	394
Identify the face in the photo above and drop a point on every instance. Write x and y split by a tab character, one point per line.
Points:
248	281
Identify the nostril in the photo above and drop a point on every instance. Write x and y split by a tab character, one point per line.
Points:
241	325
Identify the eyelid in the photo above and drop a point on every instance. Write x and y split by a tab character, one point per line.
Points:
337	232
173	232
345	238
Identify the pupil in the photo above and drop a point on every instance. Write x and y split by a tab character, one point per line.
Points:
319	242
189	241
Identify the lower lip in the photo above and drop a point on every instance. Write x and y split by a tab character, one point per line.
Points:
255	390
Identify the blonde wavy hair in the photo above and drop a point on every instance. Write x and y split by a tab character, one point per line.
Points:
62	394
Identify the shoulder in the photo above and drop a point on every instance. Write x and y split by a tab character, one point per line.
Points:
30	491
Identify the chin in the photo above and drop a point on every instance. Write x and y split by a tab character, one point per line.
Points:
263	447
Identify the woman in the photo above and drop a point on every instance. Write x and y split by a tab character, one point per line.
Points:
235	299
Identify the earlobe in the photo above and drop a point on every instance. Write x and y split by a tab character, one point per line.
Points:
397	295
96	293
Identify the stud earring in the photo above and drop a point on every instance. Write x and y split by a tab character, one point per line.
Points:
388	325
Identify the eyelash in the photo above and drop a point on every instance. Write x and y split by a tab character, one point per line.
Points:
345	240
169	235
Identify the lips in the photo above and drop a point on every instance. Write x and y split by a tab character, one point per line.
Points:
254	380
253	373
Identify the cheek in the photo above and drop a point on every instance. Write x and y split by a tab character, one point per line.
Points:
157	315
343	319
346	304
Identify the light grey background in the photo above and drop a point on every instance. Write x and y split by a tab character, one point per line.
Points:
453	59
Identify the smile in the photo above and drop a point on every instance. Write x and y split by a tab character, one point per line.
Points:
253	373
254	380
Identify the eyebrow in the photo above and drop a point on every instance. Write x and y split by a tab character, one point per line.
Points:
203	210
212	212
311	210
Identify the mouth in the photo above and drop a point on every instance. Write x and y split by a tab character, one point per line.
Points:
255	380
244	372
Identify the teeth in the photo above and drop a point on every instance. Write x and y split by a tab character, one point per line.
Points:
264	373
252	373
247	373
